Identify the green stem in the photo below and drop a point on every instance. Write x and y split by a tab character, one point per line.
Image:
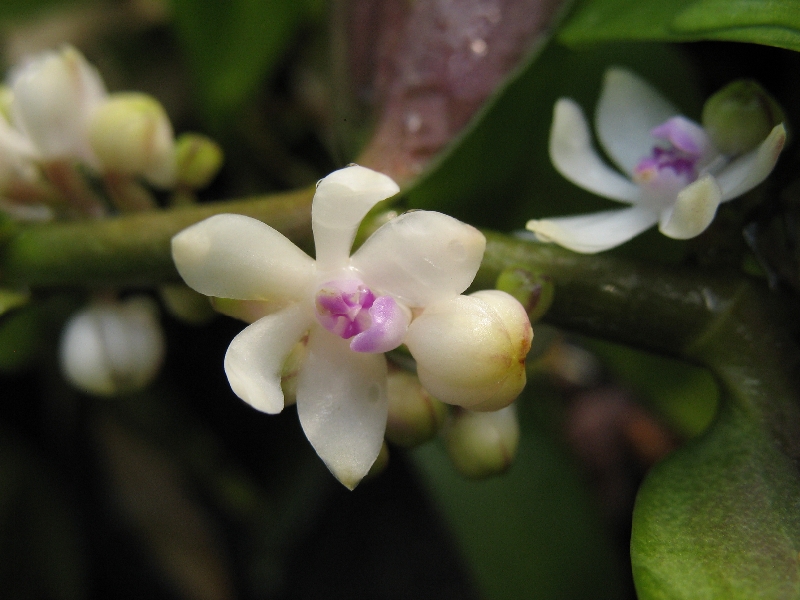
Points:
132	249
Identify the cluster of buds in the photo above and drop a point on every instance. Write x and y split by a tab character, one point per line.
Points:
333	318
59	128
69	149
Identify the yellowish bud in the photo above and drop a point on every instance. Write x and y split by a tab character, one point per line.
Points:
183	303
197	160
482	444
131	134
414	415
470	350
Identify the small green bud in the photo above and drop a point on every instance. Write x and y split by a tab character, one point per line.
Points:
533	290
740	116
414	415
381	462
183	303
482	444
291	369
130	133
6	96
198	159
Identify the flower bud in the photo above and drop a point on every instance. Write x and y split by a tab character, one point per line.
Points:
197	160
740	116
54	95
131	134
482	444
5	103
533	290
470	350
414	416
113	348
183	303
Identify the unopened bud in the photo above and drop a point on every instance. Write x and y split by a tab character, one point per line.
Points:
54	95
414	415
183	303
533	290
197	160
5	102
482	444
291	370
470	350
381	462
740	116
113	348
131	134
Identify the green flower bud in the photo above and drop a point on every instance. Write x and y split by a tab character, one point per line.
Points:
130	133
5	102
291	369
414	415
739	116
482	444
381	462
533	290
183	303
197	159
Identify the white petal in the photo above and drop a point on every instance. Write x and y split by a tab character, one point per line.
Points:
594	232
342	200
255	358
343	405
626	112
421	257
573	156
693	211
747	171
233	256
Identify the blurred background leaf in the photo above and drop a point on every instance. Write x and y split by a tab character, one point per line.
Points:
768	22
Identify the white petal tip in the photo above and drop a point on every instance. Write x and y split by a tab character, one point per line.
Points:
360	180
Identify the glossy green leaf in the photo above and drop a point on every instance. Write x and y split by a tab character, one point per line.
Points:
233	46
768	22
531	533
685	395
720	518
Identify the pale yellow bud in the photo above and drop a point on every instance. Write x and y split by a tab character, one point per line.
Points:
183	303
112	348
482	444
198	159
131	134
414	415
470	350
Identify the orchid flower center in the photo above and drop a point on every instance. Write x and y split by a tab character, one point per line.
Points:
351	310
675	162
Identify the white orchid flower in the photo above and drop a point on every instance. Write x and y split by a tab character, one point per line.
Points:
673	175
54	94
353	308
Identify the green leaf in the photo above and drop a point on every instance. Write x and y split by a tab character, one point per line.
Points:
533	532
768	22
233	46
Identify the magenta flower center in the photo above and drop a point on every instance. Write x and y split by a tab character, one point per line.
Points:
351	310
674	163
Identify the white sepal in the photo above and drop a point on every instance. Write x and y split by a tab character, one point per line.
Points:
693	210
342	200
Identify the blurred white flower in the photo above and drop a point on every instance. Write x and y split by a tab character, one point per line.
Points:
673	174
354	308
54	95
113	347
